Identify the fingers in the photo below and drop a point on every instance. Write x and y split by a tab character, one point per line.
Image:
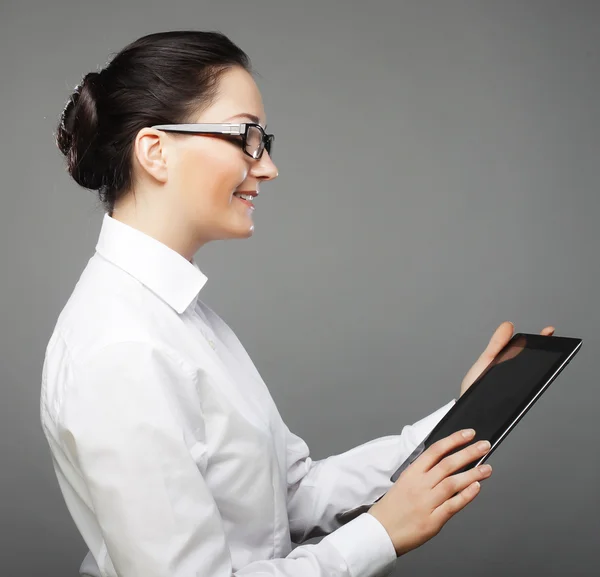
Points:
504	333
454	484
432	456
452	506
452	463
499	339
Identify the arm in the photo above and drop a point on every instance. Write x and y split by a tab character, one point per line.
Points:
324	495
156	513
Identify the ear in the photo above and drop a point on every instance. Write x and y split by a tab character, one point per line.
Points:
151	153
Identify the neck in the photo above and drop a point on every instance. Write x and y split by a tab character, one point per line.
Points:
160	223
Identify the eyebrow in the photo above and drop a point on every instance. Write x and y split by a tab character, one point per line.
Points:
251	117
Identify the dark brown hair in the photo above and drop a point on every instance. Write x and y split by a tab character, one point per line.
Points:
161	78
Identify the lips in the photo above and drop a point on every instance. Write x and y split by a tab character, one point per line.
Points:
252	193
246	196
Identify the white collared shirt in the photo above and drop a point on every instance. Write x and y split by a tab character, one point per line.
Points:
170	453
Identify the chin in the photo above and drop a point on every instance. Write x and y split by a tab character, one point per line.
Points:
238	227
240	233
248	232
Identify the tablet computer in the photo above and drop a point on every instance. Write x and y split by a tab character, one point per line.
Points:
506	389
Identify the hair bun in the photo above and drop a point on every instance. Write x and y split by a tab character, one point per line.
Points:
78	131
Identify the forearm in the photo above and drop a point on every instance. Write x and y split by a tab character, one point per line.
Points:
328	493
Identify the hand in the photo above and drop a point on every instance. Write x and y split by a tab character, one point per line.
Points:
427	495
501	336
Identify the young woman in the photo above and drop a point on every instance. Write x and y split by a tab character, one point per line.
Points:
170	453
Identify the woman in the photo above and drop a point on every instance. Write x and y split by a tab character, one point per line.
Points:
170	453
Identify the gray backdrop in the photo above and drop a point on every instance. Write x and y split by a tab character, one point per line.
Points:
438	175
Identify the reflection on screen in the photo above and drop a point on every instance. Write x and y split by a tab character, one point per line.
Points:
501	393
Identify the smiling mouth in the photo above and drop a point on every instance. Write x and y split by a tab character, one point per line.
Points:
246	196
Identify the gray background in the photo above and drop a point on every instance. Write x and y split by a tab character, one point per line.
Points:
438	175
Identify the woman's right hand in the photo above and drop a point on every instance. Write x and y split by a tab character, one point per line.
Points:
427	494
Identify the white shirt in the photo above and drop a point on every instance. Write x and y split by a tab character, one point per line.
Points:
170	453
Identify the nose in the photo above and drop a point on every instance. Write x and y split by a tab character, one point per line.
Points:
264	168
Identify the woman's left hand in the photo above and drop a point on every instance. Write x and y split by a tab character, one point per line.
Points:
501	336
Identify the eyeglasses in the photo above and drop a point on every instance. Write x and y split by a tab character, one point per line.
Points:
253	141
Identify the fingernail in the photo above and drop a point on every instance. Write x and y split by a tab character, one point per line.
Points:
485	468
483	445
468	433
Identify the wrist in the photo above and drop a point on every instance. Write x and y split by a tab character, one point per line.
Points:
378	513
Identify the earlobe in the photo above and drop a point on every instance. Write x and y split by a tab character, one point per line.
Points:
150	153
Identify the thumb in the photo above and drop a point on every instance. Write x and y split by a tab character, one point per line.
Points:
501	336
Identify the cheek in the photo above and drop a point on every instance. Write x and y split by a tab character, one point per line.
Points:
211	178
225	177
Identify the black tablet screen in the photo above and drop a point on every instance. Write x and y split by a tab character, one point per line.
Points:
500	394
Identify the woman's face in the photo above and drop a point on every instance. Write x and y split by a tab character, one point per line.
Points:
205	171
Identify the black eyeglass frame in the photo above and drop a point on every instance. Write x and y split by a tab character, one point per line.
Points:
227	129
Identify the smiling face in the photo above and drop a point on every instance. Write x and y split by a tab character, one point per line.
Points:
193	177
210	169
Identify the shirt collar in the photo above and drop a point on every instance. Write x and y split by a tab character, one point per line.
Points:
163	270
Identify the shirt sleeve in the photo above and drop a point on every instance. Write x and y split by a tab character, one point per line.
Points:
326	494
156	514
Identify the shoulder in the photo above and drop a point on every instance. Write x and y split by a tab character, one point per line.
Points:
110	330
108	306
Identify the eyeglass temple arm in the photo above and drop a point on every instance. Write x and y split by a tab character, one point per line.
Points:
236	129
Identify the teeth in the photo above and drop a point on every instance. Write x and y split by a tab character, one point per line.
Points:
245	196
